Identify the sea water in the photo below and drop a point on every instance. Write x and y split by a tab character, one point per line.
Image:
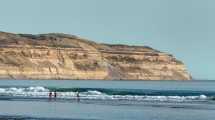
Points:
107	100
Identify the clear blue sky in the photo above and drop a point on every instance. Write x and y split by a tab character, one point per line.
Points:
185	28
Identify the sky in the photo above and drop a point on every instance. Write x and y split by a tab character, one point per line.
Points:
184	28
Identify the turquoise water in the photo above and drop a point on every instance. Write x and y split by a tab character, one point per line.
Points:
107	100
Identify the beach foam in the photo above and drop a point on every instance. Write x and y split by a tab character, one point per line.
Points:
40	91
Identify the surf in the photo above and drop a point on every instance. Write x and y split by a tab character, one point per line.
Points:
106	94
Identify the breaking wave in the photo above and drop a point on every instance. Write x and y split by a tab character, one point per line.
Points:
107	94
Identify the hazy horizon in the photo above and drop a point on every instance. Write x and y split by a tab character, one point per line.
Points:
184	28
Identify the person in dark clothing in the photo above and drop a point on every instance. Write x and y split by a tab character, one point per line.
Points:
50	95
55	94
78	96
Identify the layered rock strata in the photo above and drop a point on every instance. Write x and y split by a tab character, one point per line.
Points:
62	56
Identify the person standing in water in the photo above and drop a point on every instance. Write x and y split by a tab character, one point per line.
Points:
50	95
55	94
78	96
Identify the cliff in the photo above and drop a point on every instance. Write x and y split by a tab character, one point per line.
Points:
62	56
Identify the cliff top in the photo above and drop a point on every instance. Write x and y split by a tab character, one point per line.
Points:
63	41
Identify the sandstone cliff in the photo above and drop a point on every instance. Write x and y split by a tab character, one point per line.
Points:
62	56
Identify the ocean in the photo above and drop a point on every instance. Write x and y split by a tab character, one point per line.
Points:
107	100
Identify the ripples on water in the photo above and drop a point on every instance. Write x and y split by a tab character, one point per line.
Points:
31	118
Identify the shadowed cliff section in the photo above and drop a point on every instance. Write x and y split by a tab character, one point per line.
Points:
63	56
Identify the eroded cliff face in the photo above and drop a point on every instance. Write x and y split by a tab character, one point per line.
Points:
61	56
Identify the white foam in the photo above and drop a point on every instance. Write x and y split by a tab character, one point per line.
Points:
37	89
40	91
203	97
94	92
2	90
30	91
